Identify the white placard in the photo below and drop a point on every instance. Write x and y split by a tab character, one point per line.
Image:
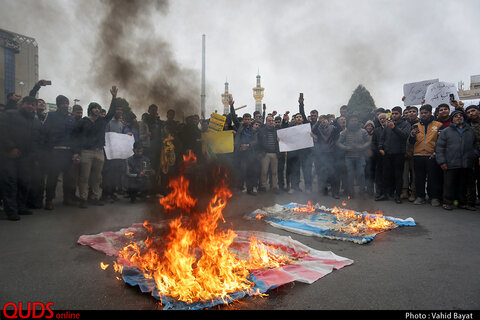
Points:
118	145
295	138
415	92
438	93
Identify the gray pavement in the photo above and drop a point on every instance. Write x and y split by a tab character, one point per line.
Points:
434	265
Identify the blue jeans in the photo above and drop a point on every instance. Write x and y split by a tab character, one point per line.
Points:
355	169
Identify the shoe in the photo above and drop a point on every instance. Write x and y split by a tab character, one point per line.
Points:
336	196
251	192
435	202
291	191
447	206
13	217
262	189
48	205
419	201
412	197
398	200
25	212
404	194
83	204
467	207
380	197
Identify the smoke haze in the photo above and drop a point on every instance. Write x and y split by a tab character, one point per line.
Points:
152	49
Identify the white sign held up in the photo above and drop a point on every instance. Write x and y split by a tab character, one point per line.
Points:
295	138
438	93
415	92
118	145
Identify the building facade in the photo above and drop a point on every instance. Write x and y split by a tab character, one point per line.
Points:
474	92
19	64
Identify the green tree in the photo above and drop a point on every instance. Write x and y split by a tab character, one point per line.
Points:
361	102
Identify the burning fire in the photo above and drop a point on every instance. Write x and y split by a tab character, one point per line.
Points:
307	209
194	261
362	223
356	223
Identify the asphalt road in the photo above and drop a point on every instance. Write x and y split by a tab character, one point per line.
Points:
434	265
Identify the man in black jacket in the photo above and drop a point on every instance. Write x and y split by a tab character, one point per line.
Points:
57	135
89	135
19	143
392	146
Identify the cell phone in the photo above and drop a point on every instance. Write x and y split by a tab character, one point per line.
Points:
301	95
452	97
47	82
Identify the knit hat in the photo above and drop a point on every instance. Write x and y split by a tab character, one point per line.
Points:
369	122
456	112
91	106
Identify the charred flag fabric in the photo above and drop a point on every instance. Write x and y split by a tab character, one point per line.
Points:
332	223
308	265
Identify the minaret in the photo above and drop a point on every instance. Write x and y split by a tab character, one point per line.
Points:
226	100
258	95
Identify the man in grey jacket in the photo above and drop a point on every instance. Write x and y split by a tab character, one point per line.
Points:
455	153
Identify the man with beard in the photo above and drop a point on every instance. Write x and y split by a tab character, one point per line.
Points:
456	151
354	141
19	143
57	134
423	137
393	147
89	135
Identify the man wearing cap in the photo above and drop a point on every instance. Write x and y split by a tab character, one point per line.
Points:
19	143
423	138
456	152
89	134
57	137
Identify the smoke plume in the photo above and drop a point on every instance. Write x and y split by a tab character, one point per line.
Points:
131	56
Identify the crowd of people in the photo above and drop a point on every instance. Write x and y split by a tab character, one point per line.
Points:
410	154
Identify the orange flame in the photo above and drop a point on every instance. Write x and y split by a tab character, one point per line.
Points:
194	262
362	223
307	209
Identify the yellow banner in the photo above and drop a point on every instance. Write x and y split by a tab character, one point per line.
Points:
216	123
218	142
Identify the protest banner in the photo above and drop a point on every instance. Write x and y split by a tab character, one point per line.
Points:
118	145
438	93
295	138
414	92
218	142
216	123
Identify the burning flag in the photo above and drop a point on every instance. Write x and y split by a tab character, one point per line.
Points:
190	263
336	223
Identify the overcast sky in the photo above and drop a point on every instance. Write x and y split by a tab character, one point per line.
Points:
324	49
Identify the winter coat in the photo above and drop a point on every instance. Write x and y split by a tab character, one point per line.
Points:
19	130
457	150
354	142
424	141
394	141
